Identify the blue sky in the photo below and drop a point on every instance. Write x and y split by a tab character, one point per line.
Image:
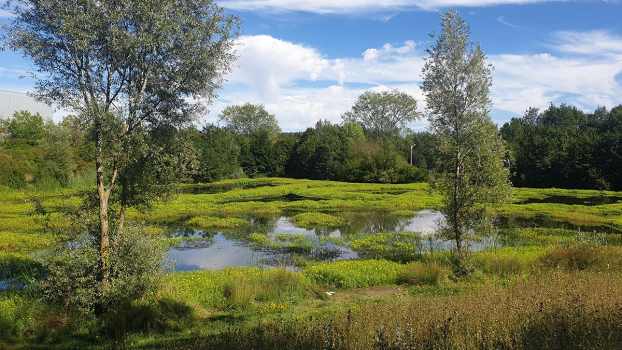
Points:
307	60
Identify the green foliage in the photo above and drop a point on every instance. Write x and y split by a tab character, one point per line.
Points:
26	126
58	154
456	81
564	147
383	113
218	154
314	219
242	289
206	223
73	271
248	119
507	262
399	246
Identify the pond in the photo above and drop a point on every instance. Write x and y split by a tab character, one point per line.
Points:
287	242
277	241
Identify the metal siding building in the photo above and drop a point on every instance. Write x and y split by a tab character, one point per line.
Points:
10	102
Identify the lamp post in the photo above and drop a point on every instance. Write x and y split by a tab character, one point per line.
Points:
411	153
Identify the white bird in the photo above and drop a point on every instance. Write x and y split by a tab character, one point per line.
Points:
330	293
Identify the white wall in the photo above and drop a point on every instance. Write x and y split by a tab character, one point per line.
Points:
17	101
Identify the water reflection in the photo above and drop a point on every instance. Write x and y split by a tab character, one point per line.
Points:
221	253
216	250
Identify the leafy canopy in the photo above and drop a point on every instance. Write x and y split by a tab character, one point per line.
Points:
383	113
456	81
135	72
248	119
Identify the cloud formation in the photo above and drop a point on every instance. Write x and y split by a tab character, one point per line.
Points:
301	86
596	42
502	20
349	6
266	63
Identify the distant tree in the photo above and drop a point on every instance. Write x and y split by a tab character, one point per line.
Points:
565	148
319	154
456	81
383	113
248	119
353	132
218	153
26	126
58	162
129	69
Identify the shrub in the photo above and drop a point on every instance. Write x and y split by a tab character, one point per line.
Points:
73	270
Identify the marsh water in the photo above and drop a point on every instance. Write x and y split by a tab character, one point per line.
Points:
216	250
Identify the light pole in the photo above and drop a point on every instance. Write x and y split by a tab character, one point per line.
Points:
411	153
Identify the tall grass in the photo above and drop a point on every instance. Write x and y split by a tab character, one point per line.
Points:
550	311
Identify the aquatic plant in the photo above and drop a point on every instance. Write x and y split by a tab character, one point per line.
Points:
350	274
315	219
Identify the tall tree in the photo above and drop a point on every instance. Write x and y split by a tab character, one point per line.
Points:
456	81
248	119
383	113
128	69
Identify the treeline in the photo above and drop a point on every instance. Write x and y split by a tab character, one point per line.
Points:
560	147
564	147
325	152
38	152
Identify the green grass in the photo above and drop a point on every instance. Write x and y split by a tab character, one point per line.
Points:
551	287
353	274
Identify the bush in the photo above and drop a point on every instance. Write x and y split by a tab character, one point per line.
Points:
73	270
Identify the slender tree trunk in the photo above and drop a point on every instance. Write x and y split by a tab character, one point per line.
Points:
456	209
122	212
103	223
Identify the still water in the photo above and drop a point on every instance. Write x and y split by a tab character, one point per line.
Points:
217	250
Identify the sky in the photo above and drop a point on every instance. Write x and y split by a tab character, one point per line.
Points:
308	60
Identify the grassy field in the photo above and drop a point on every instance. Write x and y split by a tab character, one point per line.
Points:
553	285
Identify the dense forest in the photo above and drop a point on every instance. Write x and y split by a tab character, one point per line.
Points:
560	147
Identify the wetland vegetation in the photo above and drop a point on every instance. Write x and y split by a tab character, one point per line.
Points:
126	227
554	269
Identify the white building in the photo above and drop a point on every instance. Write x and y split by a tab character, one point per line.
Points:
10	102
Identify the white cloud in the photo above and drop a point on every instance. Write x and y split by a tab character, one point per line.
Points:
301	86
502	20
349	6
596	42
520	81
388	50
267	64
